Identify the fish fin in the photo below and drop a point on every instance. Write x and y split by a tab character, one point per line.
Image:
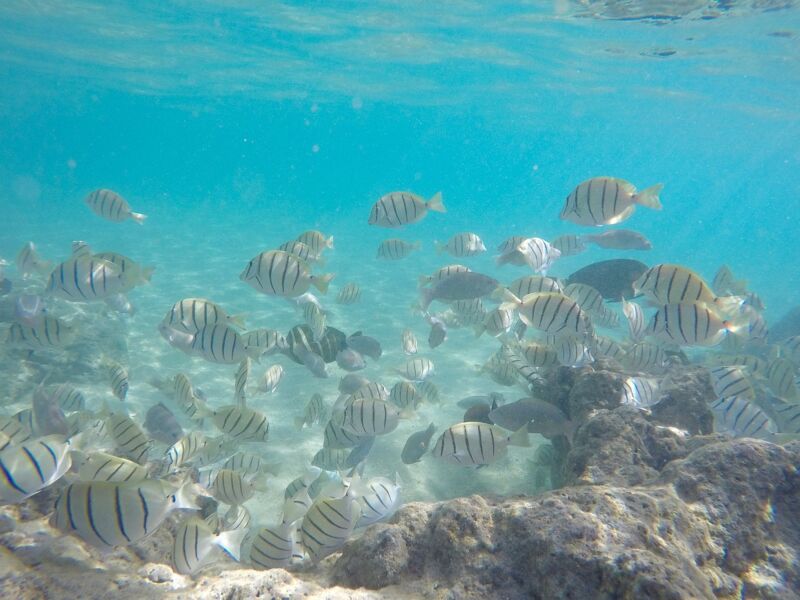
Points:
237	320
322	282
649	197
436	203
520	437
621	216
231	542
146	274
138	217
329	242
187	494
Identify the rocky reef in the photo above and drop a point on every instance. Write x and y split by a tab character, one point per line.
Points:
646	511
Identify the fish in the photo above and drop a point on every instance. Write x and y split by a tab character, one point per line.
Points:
539	255
724	283
674	284
85	278
569	244
278	273
242	423
636	326
189	403
100	466
730	381
488	399
741	418
689	324
296	506
607	201
350	360
780	378
428	391
190	315
539	355
467	285
473	444
417	445
30	263
313	362
128	437
552	313
359	453
131	273
28	309
195	540
185	450
240	382
618	239
640	392
350	384
379	498
32	465
268	341
645	356
461	245
404	395
315	319
300	250
331	459
272	378
45	333
396	249
539	416
409	342
221	344
272	547
349	294
531	284
438	333
315	412
328	524
316	240
498	322
229	487
572	352
112	207
249	464
478	413
16	432
162	425
108	514
397	209
366	345
607	348
119	380
300	339
370	416
417	369
442	273
509	252
69	398
47	414
614	278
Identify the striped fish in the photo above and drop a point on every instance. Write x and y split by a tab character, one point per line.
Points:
300	250
328	524
741	418
272	378
429	392
539	355
780	378
533	284
316	240
221	344
68	398
85	278
572	352
108	514
608	318
409	342
303	482
731	381
469	307
587	297
16	432
190	315
45	332
242	423
271	547
119	380
30	466
635	316
379	500
552	313
100	466
417	369
195	541
496	323
539	255
129	437
569	244
505	372
349	294
240	382
404	395
756	330
509	252
442	273
396	209
645	356
237	518
192	406
267	341
185	450
396	249
689	325
231	488
247	463
370	391
674	284
331	459
295	507
131	273
336	437
607	201
314	413
753	364
5	441
112	207
278	273
640	392
724	283
607	348
474	444
370	417
787	416
790	347
315	319
461	245
30	263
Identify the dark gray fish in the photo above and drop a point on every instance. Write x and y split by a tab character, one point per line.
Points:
542	417
360	452
300	338
438	333
417	444
312	361
619	239
466	285
350	384
478	413
350	360
162	425
612	278
493	397
47	415
366	345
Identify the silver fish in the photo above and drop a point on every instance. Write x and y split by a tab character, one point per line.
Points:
112	207
396	209
607	201
619	239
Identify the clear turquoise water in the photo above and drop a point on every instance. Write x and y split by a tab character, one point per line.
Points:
237	125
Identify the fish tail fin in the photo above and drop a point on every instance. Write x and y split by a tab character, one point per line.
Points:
509	300
649	197
138	217
436	203
520	437
323	281
186	495
329	243
237	320
231	542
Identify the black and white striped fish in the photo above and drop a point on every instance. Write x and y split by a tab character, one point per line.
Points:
328	524
539	355
552	313
315	319
781	378
442	273
572	352
417	369
128	437
349	294
221	344
337	437
185	450
731	381
131	272
368	417
474	444
68	398
271	379
331	459
30	466
112	207
278	273
268	341
271	547
248	464
301	250
396	249
409	342
108	514
496	323
195	542
396	209
539	254
296	506
43	333
674	284
587	297
607	201
569	244
190	315
635	316
640	392
379	499
533	284
230	487
315	412
509	253
316	240
689	324
242	423
645	356
404	395
462	244
16	432
240	382
605	347
100	466
30	263
119	380
741	418
192	406
85	278
429	392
